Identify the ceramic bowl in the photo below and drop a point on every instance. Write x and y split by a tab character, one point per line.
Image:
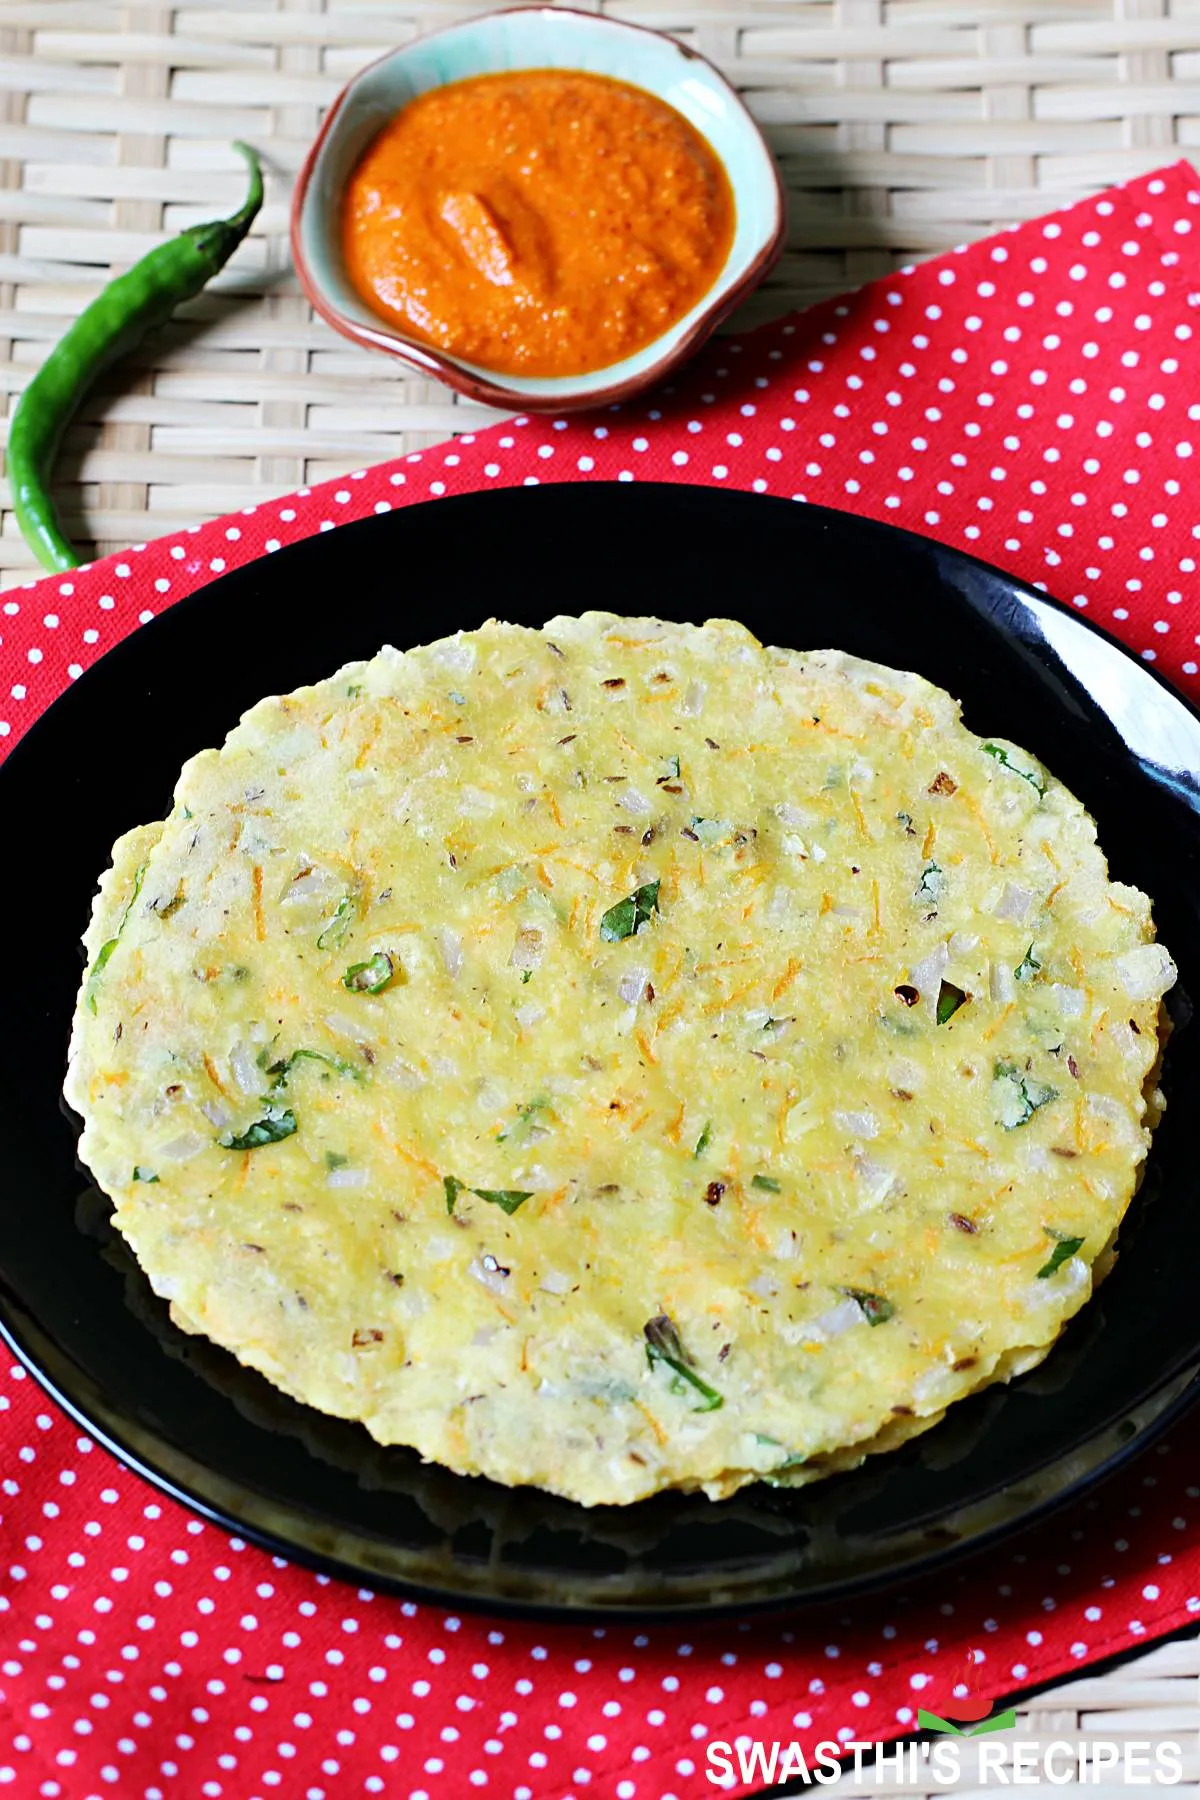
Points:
537	37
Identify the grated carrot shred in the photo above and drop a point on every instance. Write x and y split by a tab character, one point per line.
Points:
974	807
996	1024
786	979
210	1069
653	1423
412	1157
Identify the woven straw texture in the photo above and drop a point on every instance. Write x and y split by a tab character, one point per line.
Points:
1149	1701
902	127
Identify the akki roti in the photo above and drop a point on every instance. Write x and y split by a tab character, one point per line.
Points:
620	1056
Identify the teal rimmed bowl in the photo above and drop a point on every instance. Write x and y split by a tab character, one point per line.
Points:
537	37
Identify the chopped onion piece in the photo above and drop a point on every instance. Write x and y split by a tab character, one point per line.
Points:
840	1318
876	1177
1014	903
246	1071
457	653
1145	972
528	950
926	976
180	1149
1002	983
905	1075
475	803
490	1273
1072	1001
554	1282
347	1178
450	948
1103	1106
218	1114
858	1124
635	802
632	985
763	1287
1127	1043
693	700
357	1030
313	884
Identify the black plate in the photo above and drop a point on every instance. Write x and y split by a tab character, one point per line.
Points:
189	1417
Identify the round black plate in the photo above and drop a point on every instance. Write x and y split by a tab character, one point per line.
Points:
188	1416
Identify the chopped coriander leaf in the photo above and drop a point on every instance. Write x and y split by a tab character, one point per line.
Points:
932	883
336	928
507	1199
525	1117
526	976
1064	1249
140	1174
277	1123
106	950
335	1160
1019	1096
949	999
790	1461
875	1309
1000	755
704	1140
710	831
370	977
1028	967
767	1183
354	690
454	1188
629	915
283	1068
664	1345
672	769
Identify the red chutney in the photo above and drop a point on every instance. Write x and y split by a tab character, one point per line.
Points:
544	222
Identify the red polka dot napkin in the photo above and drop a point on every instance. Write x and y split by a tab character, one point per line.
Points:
1034	398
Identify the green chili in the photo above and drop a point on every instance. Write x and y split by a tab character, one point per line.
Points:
664	1345
117	319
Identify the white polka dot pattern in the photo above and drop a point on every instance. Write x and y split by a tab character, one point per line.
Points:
1034	399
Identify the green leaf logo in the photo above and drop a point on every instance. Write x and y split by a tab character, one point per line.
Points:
928	1721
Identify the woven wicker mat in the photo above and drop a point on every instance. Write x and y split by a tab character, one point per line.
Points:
902	127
